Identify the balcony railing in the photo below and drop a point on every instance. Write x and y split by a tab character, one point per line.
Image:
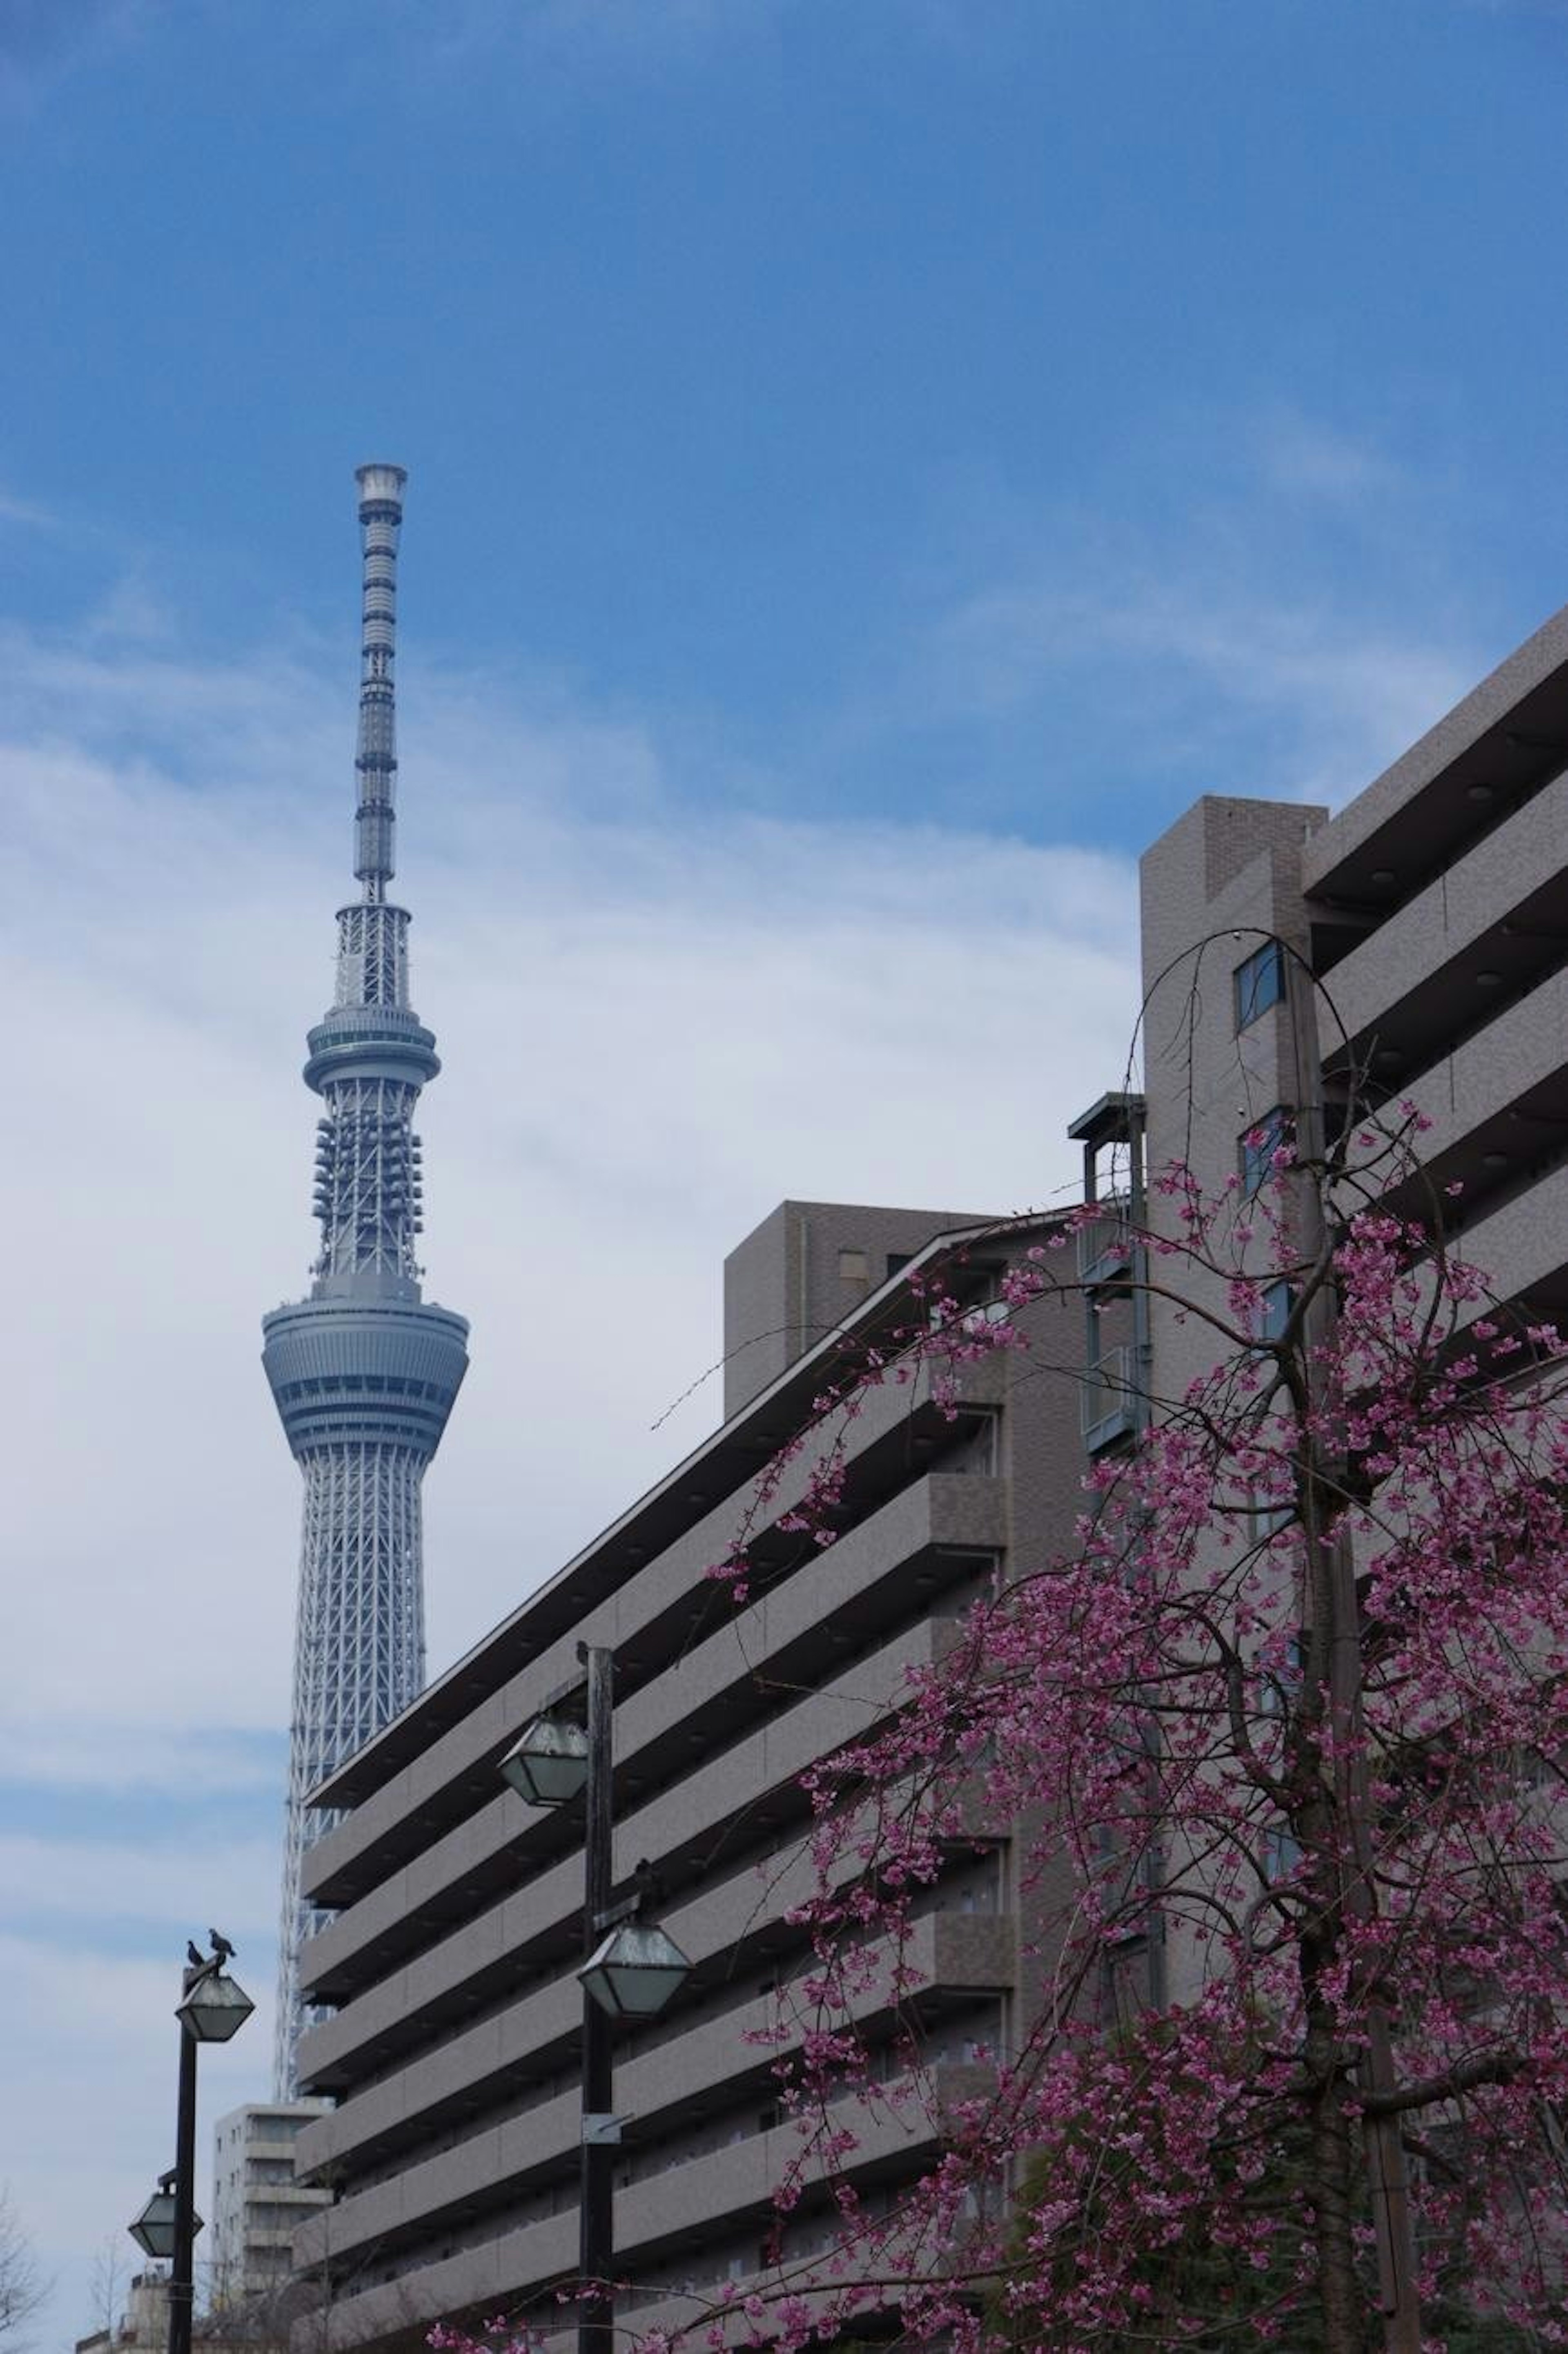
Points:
1109	1398
1106	1244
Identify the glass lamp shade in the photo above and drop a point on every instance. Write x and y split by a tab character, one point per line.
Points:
549	1765
216	2008
154	2229
636	1970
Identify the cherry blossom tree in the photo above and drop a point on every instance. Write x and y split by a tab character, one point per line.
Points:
1278	1741
1292	1712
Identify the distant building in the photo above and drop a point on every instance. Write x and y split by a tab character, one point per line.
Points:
257	2205
144	2327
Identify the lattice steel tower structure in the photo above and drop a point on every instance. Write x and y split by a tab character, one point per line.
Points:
364	1373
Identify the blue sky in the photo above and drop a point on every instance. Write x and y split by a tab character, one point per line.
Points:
872	462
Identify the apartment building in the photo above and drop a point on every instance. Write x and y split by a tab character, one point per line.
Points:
1432	913
451	2052
257	2204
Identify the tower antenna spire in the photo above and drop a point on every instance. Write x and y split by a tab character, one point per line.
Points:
376	756
365	1371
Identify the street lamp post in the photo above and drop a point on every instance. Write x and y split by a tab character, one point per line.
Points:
212	2007
629	1969
596	2210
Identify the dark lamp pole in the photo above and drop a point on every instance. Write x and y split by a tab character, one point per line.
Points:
596	2210
629	1973
211	2008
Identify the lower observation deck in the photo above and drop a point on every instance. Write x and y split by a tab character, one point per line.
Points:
363	1370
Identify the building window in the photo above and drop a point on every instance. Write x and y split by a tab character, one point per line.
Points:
1274	1308
1259	982
1258	1146
1268	1516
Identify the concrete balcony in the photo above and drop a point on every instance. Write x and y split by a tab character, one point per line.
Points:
1509	1083
410	2004
1491	924
1499	738
729	2184
723	2186
950	1954
457	1768
539	2030
789	1632
1523	1248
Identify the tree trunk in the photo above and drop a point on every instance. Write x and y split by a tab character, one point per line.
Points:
1332	2175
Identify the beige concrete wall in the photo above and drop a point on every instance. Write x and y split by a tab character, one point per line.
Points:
1224	878
973	1951
435	1781
729	2182
777	1754
952	1510
785	1286
1482	889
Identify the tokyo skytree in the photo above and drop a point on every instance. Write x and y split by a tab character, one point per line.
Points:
364	1373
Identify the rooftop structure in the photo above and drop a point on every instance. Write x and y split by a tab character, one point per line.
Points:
363	1373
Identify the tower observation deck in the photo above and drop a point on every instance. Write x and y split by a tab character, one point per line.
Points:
363	1373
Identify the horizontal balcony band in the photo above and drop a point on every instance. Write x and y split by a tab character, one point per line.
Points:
652	1605
1508	734
1521	1248
952	1955
724	2188
1501	914
392	1775
705	1697
759	1774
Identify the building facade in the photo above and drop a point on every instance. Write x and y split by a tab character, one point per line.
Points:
365	1371
1410	948
257	2204
452	2049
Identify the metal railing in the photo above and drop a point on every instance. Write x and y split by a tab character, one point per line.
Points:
1108	1398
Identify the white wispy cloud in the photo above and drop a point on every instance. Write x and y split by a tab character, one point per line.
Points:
42	41
89	1881
1252	636
26	512
1348	695
657	1020
1306	458
656	1024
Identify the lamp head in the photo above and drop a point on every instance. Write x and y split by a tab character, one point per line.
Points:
637	1969
548	1765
